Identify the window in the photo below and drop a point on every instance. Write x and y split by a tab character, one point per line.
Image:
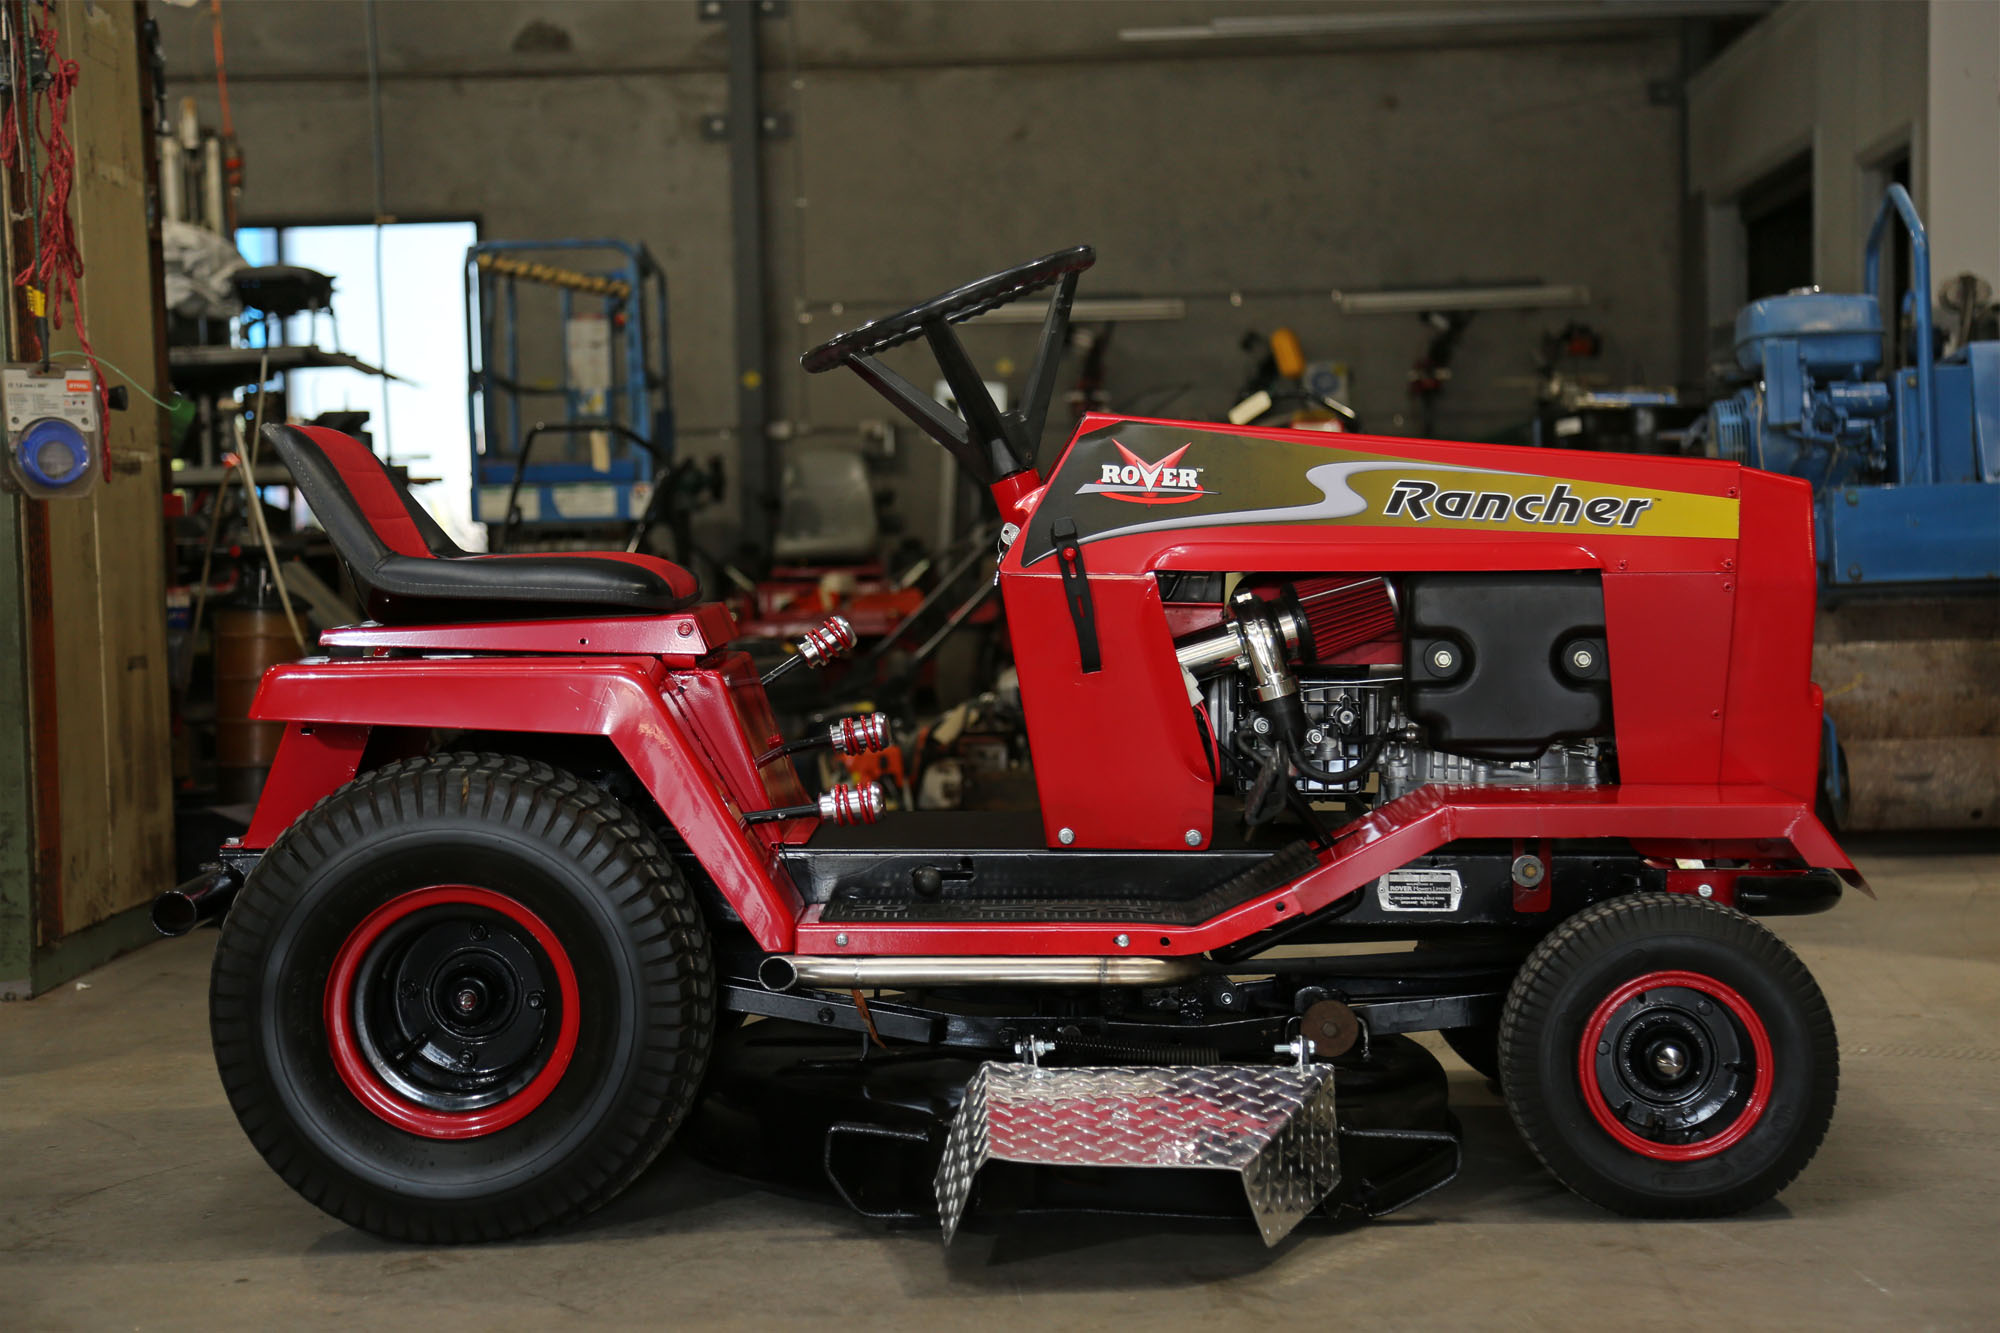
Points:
421	422
1777	217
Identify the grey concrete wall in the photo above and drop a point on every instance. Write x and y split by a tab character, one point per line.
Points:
1845	80
936	141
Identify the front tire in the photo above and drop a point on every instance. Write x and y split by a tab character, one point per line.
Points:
466	997
1668	1057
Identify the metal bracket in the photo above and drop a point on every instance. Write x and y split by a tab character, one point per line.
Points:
774	125
1076	590
711	11
825	1010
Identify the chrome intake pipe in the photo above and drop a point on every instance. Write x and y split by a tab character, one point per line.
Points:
783	972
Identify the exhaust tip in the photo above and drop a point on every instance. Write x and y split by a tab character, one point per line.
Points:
175	913
777	973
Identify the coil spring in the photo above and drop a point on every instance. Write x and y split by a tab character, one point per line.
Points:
1071	1050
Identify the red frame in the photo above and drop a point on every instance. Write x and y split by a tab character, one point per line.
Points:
1710	640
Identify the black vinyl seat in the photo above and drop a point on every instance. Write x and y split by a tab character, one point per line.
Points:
411	572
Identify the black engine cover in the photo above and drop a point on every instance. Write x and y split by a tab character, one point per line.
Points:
1501	665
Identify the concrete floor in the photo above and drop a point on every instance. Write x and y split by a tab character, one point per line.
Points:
128	1196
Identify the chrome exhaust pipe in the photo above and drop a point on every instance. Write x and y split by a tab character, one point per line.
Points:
783	972
185	906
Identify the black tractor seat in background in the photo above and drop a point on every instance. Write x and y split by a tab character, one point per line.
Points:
410	572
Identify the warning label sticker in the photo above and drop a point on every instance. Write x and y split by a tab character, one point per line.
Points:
1419	891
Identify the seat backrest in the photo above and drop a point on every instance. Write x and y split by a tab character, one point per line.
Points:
366	512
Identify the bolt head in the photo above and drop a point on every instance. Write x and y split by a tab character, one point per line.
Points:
1706	890
1670	1061
535	999
1582	659
1123	941
1066	836
1194	837
1261	725
840	940
1443	659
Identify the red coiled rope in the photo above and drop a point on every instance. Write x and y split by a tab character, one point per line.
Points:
54	270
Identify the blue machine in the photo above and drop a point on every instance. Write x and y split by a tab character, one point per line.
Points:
584	447
1905	464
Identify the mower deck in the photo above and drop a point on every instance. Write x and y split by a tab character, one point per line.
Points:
812	1112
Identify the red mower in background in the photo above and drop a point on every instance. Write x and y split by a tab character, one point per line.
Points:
526	857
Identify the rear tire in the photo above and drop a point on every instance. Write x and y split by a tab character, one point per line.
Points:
1667	1056
466	997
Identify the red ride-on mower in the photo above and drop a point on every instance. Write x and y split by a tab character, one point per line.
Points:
525	857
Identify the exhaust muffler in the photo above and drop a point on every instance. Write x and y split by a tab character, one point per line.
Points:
185	906
782	972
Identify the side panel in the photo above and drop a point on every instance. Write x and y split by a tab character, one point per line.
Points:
1118	760
1773	711
1668	639
619	698
725	710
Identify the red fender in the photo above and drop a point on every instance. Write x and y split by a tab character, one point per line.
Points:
331	706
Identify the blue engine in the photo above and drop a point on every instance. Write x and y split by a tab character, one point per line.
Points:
1906	465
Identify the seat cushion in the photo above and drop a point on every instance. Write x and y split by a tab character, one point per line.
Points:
412	572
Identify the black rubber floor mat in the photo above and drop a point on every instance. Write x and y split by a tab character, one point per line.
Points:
965	902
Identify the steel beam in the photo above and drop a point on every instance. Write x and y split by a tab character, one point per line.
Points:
746	213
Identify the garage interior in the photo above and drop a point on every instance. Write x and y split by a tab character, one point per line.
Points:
555	265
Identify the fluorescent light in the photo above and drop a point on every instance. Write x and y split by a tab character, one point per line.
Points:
1518	296
1407	19
1115	309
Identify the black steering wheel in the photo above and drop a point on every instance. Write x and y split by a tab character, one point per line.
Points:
953	307
990	443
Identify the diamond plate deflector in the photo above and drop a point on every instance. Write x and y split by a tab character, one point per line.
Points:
1273	1125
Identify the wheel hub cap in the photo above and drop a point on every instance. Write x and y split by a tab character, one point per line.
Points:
451	1011
1675	1066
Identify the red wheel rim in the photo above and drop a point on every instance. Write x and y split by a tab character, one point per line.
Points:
366	1083
1738	1010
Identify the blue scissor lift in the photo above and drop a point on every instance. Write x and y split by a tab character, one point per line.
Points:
560	460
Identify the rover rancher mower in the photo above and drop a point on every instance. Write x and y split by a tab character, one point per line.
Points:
528	856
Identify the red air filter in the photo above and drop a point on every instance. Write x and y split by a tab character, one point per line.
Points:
1345	613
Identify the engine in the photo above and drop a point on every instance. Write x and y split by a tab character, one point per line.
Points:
1814	407
1365	689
